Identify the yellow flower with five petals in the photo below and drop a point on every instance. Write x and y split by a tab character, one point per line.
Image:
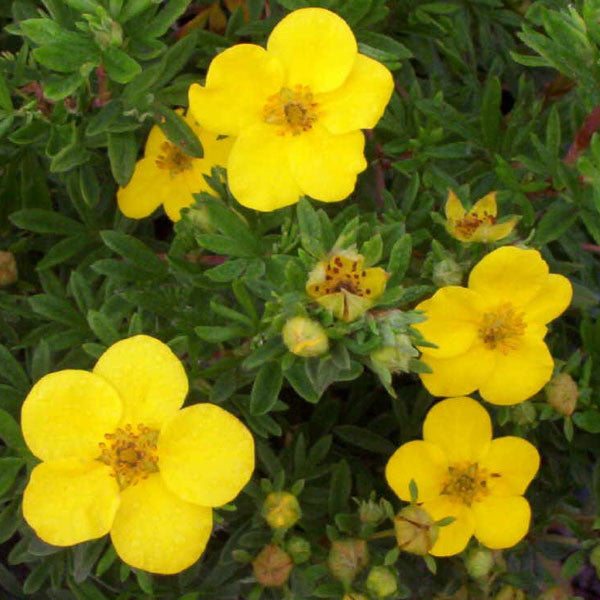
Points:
478	224
170	177
296	110
120	456
490	336
461	472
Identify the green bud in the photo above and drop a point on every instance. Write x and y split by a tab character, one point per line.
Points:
370	511
199	217
381	582
523	414
272	566
299	549
562	394
595	559
305	337
397	357
416	531
508	592
8	268
479	562
347	558
447	272
281	510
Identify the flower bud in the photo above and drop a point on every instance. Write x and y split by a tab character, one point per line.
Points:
479	562
299	549
8	268
272	566
397	357
370	511
416	531
595	559
305	337
447	272
508	592
347	558
562	393
381	582
555	593
198	215
523	414
281	510
354	596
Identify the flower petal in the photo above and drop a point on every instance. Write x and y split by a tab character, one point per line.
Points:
492	233
552	299
460	374
454	209
461	427
374	282
325	166
182	188
238	83
518	374
67	413
148	376
509	274
256	156
157	531
452	538
359	103
69	501
205	455
156	138
501	522
485	206
317	48
145	191
422	461
512	463
453	317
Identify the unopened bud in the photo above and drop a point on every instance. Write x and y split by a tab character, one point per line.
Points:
272	566
595	559
8	268
479	562
523	414
381	582
299	549
447	272
562	393
397	357
198	216
508	592
555	593
305	337
416	531
281	510
347	558
370	511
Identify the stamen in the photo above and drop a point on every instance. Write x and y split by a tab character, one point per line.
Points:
501	329
471	222
466	483
173	159
293	111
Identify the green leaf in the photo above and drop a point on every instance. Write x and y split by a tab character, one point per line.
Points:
9	468
165	18
58	87
58	309
298	378
5	99
40	362
178	131
588	420
45	221
573	564
12	371
230	270
10	432
120	67
399	260
122	153
311	234
413	490
218	334
134	251
490	112
372	250
558	219
102	327
104	118
268	351
340	487
266	387
365	439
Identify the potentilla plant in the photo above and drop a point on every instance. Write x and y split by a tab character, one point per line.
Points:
299	299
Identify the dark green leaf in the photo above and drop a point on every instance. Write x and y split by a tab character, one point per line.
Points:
265	390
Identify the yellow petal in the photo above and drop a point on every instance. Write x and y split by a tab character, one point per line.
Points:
182	188
501	522
259	154
452	538
205	455
374	282
422	461
317	48
325	166
148	376
492	233
461	427
238	83
69	501
67	413
315	278
157	531
460	374
552	299
518	374
359	103
453	317
344	305
486	206
145	191
511	463
156	138
509	274
454	208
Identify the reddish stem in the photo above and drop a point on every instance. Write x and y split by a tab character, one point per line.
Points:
583	137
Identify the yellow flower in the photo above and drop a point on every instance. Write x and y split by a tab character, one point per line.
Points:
344	287
296	109
490	336
461	472
120	456
169	177
479	224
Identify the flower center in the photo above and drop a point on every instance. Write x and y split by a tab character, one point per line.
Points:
131	453
470	223
173	159
501	329
293	111
467	483
343	275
